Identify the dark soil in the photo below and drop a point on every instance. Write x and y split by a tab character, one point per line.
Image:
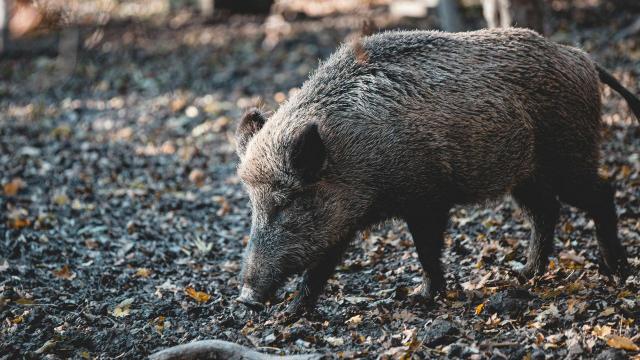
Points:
121	204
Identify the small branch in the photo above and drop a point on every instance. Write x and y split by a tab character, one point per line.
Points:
218	349
630	30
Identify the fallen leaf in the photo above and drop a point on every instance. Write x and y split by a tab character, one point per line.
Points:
197	177
11	188
199	296
404	315
572	257
607	312
17	320
19	223
64	273
601	331
60	199
25	301
124	308
159	324
143	272
621	342
334	341
409	337
354	321
479	308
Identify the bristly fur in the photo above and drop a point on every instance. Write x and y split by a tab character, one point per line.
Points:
414	122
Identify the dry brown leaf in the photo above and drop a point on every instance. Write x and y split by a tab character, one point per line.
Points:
572	256
621	342
17	320
197	177
178	104
404	315
64	273
159	324
225	208
607	312
198	296
11	188
18	223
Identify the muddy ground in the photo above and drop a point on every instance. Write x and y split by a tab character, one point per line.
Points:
122	221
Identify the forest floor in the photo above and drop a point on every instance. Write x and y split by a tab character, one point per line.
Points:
122	221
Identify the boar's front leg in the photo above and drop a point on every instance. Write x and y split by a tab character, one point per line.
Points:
427	230
314	280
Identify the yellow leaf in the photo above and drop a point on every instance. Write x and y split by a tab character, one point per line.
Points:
159	324
625	171
143	272
601	331
17	320
552	265
354	321
24	301
60	199
625	294
124	308
621	342
64	273
11	188
479	308
199	296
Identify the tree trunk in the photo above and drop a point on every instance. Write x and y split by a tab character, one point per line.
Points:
208	7
449	15
521	13
5	10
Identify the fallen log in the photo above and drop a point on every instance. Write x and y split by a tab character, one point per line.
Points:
218	350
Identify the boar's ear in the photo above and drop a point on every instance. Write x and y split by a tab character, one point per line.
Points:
309	154
252	121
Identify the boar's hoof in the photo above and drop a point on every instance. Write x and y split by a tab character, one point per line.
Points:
433	287
297	307
530	271
620	268
248	298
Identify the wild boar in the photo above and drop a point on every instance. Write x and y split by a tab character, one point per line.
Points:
407	124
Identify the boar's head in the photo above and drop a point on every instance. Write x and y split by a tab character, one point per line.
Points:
296	208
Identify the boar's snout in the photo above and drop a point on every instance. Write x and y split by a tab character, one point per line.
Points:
250	298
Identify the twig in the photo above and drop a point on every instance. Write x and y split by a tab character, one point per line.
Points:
218	349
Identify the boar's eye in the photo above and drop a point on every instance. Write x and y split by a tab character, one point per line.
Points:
308	154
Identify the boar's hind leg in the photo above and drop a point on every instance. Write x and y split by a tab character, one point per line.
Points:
314	280
597	199
543	210
427	231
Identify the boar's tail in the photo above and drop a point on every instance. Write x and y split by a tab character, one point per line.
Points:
632	100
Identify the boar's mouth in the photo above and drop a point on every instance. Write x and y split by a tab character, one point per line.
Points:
250	298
